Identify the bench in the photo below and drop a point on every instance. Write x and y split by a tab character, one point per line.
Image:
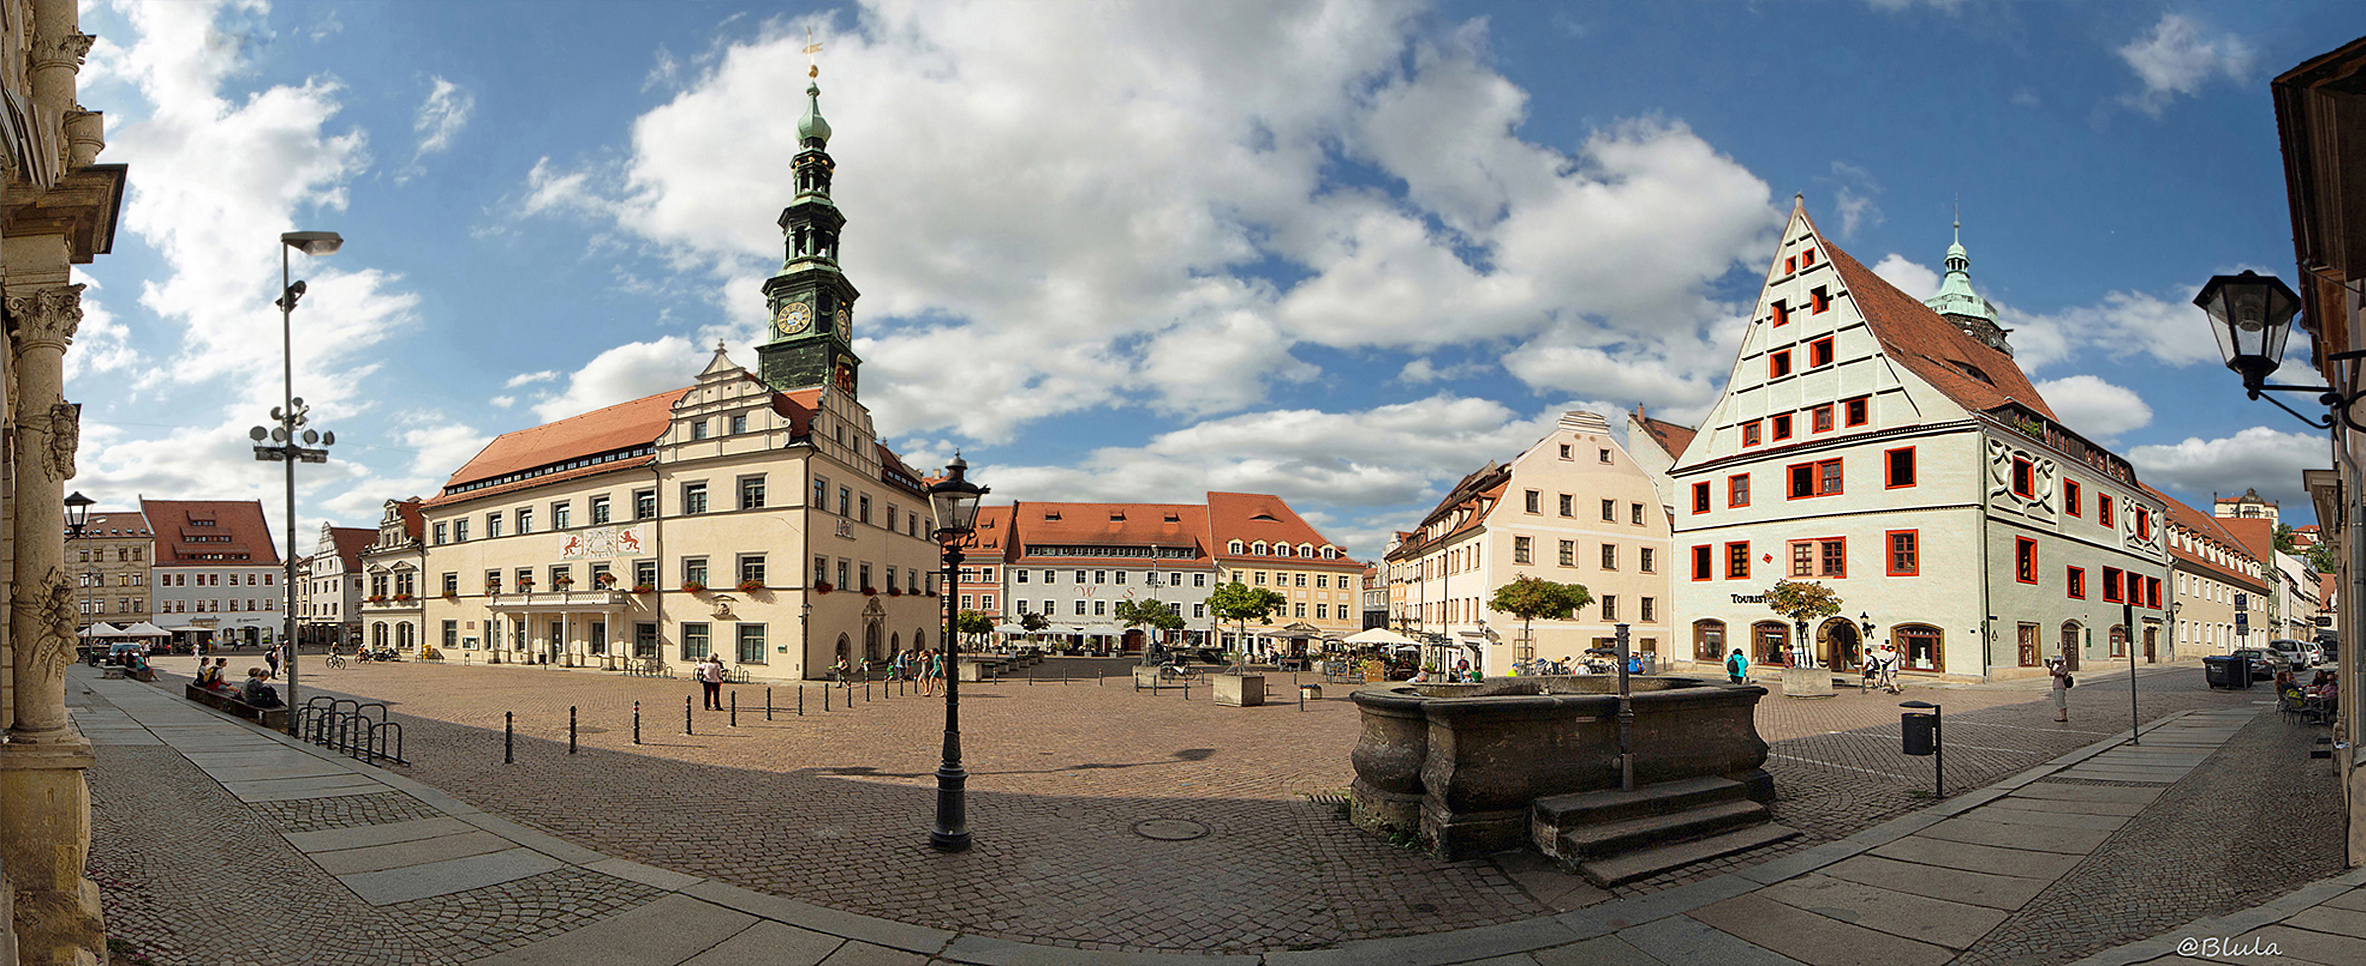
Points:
228	702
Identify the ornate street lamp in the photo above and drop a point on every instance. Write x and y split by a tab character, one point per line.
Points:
955	501
2251	316
292	448
78	517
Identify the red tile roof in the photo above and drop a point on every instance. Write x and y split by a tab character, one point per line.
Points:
119	523
351	541
1250	517
2256	535
1671	438
1932	347
2207	527
1049	525
210	533
414	521
605	430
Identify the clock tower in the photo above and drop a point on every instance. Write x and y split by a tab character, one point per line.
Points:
809	338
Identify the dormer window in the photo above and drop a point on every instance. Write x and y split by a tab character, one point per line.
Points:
1330	553
1260	549
1972	371
1782	313
1306	550
1822	300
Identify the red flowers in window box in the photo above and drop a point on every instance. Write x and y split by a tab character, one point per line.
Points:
870	591
750	585
402	598
644	589
894	591
694	586
822	587
377	598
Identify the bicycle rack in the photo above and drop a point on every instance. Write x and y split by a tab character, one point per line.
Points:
347	727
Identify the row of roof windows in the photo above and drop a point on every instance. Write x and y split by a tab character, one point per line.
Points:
1263	549
561	467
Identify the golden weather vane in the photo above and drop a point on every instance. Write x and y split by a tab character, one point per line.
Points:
812	69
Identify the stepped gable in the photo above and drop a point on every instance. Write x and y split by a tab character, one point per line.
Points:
1932	347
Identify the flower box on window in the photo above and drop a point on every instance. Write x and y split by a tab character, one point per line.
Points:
563	583
402	598
750	585
694	586
605	580
644	589
870	591
894	591
525	585
377	598
823	587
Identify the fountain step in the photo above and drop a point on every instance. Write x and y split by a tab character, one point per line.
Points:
1622	869
1587	842
1593	808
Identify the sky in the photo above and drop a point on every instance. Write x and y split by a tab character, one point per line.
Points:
1345	253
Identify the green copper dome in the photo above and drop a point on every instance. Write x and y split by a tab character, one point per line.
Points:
1956	297
811	127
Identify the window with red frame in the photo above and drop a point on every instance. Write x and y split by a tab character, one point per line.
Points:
1858	411
1750	433
1778	364
2111	584
1782	313
2025	560
1782	426
1822	300
2024	478
1807	258
2076	581
1737	490
2152	592
1905	556
1704	562
1737	560
1700	497
1898	465
1815	479
2103	509
1791	265
2070	500
1820	419
2143	523
1819	353
2135	588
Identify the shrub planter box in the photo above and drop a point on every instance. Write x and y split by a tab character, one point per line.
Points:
1240	690
1807	682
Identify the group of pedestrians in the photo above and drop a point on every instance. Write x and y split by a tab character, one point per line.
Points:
924	665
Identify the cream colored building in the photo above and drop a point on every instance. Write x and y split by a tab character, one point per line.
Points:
111	568
1574	508
393	613
2213	578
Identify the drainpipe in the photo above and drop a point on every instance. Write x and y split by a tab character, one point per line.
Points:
657	547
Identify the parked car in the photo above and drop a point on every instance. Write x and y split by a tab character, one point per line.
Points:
2314	653
2293	651
2264	663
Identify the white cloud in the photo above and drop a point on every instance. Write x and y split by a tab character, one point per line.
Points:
1910	276
1853	189
2268	459
2170	330
101	344
442	116
530	378
1167	147
2175	59
1423	370
2094	408
627	372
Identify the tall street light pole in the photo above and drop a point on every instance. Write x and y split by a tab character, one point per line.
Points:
290	415
78	517
955	501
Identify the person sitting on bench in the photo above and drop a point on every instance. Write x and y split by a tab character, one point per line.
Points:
256	692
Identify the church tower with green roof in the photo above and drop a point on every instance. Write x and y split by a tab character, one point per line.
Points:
1957	303
809	340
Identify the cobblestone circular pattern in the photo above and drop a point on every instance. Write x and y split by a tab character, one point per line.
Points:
1170	829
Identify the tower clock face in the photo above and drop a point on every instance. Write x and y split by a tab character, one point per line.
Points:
845	321
792	317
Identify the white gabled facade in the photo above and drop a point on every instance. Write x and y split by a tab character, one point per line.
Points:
1902	459
1575	508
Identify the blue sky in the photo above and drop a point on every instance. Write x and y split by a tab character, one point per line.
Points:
1345	253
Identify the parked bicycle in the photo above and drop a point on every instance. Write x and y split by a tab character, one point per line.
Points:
334	659
1181	672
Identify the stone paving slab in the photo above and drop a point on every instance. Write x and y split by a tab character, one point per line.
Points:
448	876
362	836
648	875
1976	888
882	932
1955	925
2303	945
1817	939
2332	919
2003	814
1971	857
293	769
985	951
1598	951
1457	946
317	783
2065	792
252	797
865	954
397	855
666	932
2068	806
768	943
1683	939
2030	838
2354	899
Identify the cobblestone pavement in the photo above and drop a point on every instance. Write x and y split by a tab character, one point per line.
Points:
2175	862
833	807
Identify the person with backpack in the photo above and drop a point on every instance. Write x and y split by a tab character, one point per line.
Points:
256	693
710	678
1737	667
2062	685
1885	664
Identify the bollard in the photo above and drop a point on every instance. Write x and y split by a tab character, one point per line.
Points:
636	722
1063	677
686	729
800	700
570	729
866	687
825	697
767	704
1302	699
735	709
509	737
1186	689
1096	678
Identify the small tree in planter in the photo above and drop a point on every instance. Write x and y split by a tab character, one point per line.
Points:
1529	598
972	623
1239	602
1802	601
1146	613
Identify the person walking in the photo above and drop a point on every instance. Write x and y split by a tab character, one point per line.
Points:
2061	674
1886	664
1737	667
932	670
840	671
710	676
271	657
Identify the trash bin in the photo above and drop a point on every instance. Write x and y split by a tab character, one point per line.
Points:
2226	671
1915	728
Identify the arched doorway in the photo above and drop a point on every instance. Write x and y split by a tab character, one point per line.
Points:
845	648
403	636
895	643
919	639
1838	645
1708	641
2070	636
378	636
1768	642
871	631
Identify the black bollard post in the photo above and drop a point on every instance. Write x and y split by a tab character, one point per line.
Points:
570	729
686	728
1186	689
800	701
1301	699
636	722
509	737
735	709
767	704
825	697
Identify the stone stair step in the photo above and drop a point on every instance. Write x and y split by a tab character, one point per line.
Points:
1589	808
1627	835
1643	864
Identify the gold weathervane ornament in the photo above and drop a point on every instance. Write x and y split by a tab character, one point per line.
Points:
811	69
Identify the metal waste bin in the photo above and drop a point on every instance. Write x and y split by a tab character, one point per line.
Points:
1915	728
2226	671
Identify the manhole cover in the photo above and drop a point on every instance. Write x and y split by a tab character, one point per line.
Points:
1170	829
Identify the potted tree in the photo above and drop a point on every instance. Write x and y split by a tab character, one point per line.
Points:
1804	601
1529	598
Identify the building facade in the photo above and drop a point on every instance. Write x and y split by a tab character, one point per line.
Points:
217	574
396	558
111	569
1254	538
1574	508
1655	445
329	609
2215	583
1892	451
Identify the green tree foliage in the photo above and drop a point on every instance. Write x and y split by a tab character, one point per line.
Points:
1802	600
1240	603
2323	557
1034	622
2284	541
1529	598
1148	613
972	622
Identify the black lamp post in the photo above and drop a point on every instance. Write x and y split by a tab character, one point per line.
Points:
2251	315
291	448
955	501
78	517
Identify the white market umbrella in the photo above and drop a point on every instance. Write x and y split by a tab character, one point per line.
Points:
101	629
1378	635
145	629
